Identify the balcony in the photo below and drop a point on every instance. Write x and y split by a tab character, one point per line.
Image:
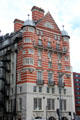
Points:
51	83
40	82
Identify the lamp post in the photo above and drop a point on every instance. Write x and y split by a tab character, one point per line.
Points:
46	111
60	85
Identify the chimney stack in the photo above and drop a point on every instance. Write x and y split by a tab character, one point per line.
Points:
37	13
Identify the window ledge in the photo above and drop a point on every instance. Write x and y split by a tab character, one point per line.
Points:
38	110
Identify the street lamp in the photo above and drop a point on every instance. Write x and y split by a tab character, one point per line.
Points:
60	85
46	111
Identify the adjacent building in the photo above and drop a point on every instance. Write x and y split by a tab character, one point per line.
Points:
76	79
40	71
8	53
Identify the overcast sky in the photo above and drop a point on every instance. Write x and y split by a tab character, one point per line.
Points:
65	12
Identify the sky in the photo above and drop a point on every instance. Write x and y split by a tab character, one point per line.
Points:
64	12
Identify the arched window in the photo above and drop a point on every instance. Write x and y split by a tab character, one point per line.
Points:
64	118
52	118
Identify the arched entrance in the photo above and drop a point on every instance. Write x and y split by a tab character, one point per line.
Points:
52	118
38	117
64	118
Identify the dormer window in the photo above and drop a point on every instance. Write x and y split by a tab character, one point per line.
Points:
66	39
48	25
30	29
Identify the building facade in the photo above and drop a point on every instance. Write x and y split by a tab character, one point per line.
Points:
8	53
40	76
44	83
76	79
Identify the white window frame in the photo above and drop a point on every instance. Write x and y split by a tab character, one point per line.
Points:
39	75
50	76
30	51
31	29
28	61
27	40
50	104
37	103
39	63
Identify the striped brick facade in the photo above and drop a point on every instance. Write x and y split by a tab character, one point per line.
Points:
48	32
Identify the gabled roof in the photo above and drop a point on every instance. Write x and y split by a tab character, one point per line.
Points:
46	21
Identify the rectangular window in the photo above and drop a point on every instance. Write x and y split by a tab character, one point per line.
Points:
30	51
66	39
40	89
49	64
53	90
59	56
28	61
64	49
19	76
66	58
20	104
34	89
1	63
57	46
12	78
12	105
59	66
1	71
39	53
39	42
50	104
39	63
55	37
39	75
63	104
24	52
58	37
48	90
67	68
49	44
37	104
27	40
20	89
64	91
49	55
50	77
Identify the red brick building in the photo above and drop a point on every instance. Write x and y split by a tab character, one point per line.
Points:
43	66
76	79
